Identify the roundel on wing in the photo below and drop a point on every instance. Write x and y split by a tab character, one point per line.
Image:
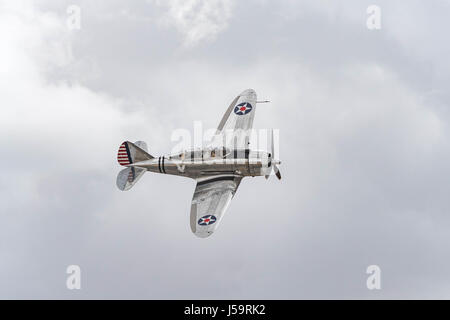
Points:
207	220
243	108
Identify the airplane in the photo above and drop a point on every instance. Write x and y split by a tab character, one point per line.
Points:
218	168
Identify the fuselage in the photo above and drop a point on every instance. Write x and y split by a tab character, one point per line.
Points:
207	162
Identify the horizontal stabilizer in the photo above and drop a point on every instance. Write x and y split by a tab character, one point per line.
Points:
130	153
128	177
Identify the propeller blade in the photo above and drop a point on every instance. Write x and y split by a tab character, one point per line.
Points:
277	172
268	172
272	145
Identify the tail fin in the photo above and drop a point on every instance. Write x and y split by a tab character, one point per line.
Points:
130	153
128	177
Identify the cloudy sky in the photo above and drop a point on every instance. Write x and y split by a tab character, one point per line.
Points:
363	118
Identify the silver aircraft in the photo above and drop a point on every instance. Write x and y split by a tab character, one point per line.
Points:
217	168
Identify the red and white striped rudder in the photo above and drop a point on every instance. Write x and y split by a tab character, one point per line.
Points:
123	155
130	153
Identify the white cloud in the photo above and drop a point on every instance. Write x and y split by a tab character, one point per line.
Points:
197	20
61	113
365	162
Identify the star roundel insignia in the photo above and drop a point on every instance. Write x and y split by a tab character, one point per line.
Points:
207	220
243	108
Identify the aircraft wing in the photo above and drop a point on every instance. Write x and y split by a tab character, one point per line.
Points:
211	199
235	126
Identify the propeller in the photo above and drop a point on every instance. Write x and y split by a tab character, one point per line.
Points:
272	160
277	172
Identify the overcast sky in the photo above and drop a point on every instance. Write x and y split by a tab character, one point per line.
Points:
364	127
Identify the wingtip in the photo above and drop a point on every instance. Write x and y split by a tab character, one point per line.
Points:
248	92
203	234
